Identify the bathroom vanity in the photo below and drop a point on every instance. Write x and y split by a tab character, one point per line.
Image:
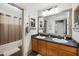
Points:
46	46
56	44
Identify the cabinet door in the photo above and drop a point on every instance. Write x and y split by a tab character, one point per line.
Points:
68	48
52	49
66	53
42	47
34	45
78	51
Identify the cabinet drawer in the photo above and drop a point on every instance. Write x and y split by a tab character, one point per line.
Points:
67	48
52	44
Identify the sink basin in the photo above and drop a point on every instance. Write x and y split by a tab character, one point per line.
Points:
41	37
60	40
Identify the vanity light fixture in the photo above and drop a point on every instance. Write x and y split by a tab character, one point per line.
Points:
50	11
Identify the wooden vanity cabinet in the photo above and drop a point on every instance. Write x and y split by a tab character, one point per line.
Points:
34	45
67	48
66	53
42	47
39	46
78	51
53	49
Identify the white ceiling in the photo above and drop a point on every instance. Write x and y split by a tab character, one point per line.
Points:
41	6
37	6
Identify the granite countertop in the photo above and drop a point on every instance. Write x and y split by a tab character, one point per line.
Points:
70	42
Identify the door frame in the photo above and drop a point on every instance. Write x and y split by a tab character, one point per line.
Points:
22	24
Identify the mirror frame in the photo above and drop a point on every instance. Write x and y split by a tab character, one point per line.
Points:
70	10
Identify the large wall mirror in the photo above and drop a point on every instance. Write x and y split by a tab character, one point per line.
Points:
57	24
